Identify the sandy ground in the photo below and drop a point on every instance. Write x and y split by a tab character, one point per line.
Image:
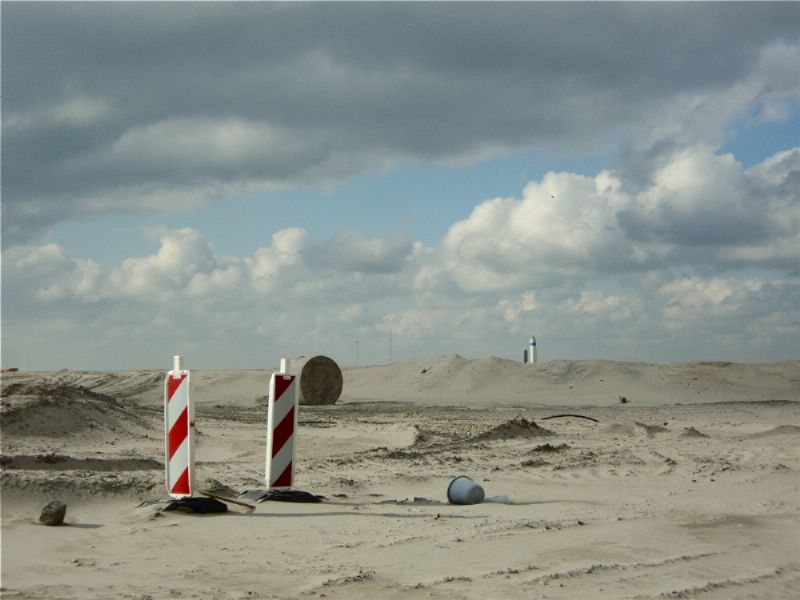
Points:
689	488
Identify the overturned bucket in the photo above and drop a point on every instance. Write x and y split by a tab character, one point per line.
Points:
462	490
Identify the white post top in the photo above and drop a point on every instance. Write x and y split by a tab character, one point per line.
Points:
177	363
283	365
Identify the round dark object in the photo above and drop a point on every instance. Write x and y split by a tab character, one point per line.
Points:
320	380
197	505
290	496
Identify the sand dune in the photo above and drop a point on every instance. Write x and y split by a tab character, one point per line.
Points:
687	489
449	379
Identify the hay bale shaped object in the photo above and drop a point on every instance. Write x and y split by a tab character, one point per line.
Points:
319	379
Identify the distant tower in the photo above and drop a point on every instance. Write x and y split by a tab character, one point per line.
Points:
533	358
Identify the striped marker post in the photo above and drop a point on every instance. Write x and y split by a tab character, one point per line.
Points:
179	453
281	425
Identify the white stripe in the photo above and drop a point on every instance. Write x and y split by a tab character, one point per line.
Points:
276	412
277	465
178	464
284	404
179	401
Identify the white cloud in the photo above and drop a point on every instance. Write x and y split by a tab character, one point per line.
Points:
77	111
183	254
597	304
753	316
515	310
700	209
267	265
47	273
566	222
579	261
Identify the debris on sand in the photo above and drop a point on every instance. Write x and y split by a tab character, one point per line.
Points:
534	462
651	429
691	432
196	505
550	448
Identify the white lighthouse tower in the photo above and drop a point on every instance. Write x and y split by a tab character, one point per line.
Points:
533	358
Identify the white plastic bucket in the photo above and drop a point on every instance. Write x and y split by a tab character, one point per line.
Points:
462	490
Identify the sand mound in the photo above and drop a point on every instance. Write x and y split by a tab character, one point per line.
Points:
64	462
779	430
53	409
81	483
145	384
518	427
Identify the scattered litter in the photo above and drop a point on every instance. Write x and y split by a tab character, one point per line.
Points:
534	462
416	501
692	432
462	490
498	499
225	499
550	448
194	505
281	496
570	415
651	429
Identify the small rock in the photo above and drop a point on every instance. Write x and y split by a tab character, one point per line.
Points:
53	513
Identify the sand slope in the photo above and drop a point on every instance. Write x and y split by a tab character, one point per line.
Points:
453	378
691	489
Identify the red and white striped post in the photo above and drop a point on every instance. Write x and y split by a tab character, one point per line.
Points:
179	451
281	427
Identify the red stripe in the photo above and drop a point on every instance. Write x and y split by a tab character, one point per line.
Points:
282	432
182	485
178	432
285	479
281	383
173	383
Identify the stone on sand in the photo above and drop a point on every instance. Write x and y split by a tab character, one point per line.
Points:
53	513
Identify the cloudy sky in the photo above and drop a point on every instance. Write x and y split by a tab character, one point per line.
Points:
236	182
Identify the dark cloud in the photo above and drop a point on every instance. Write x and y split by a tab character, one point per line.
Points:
121	106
